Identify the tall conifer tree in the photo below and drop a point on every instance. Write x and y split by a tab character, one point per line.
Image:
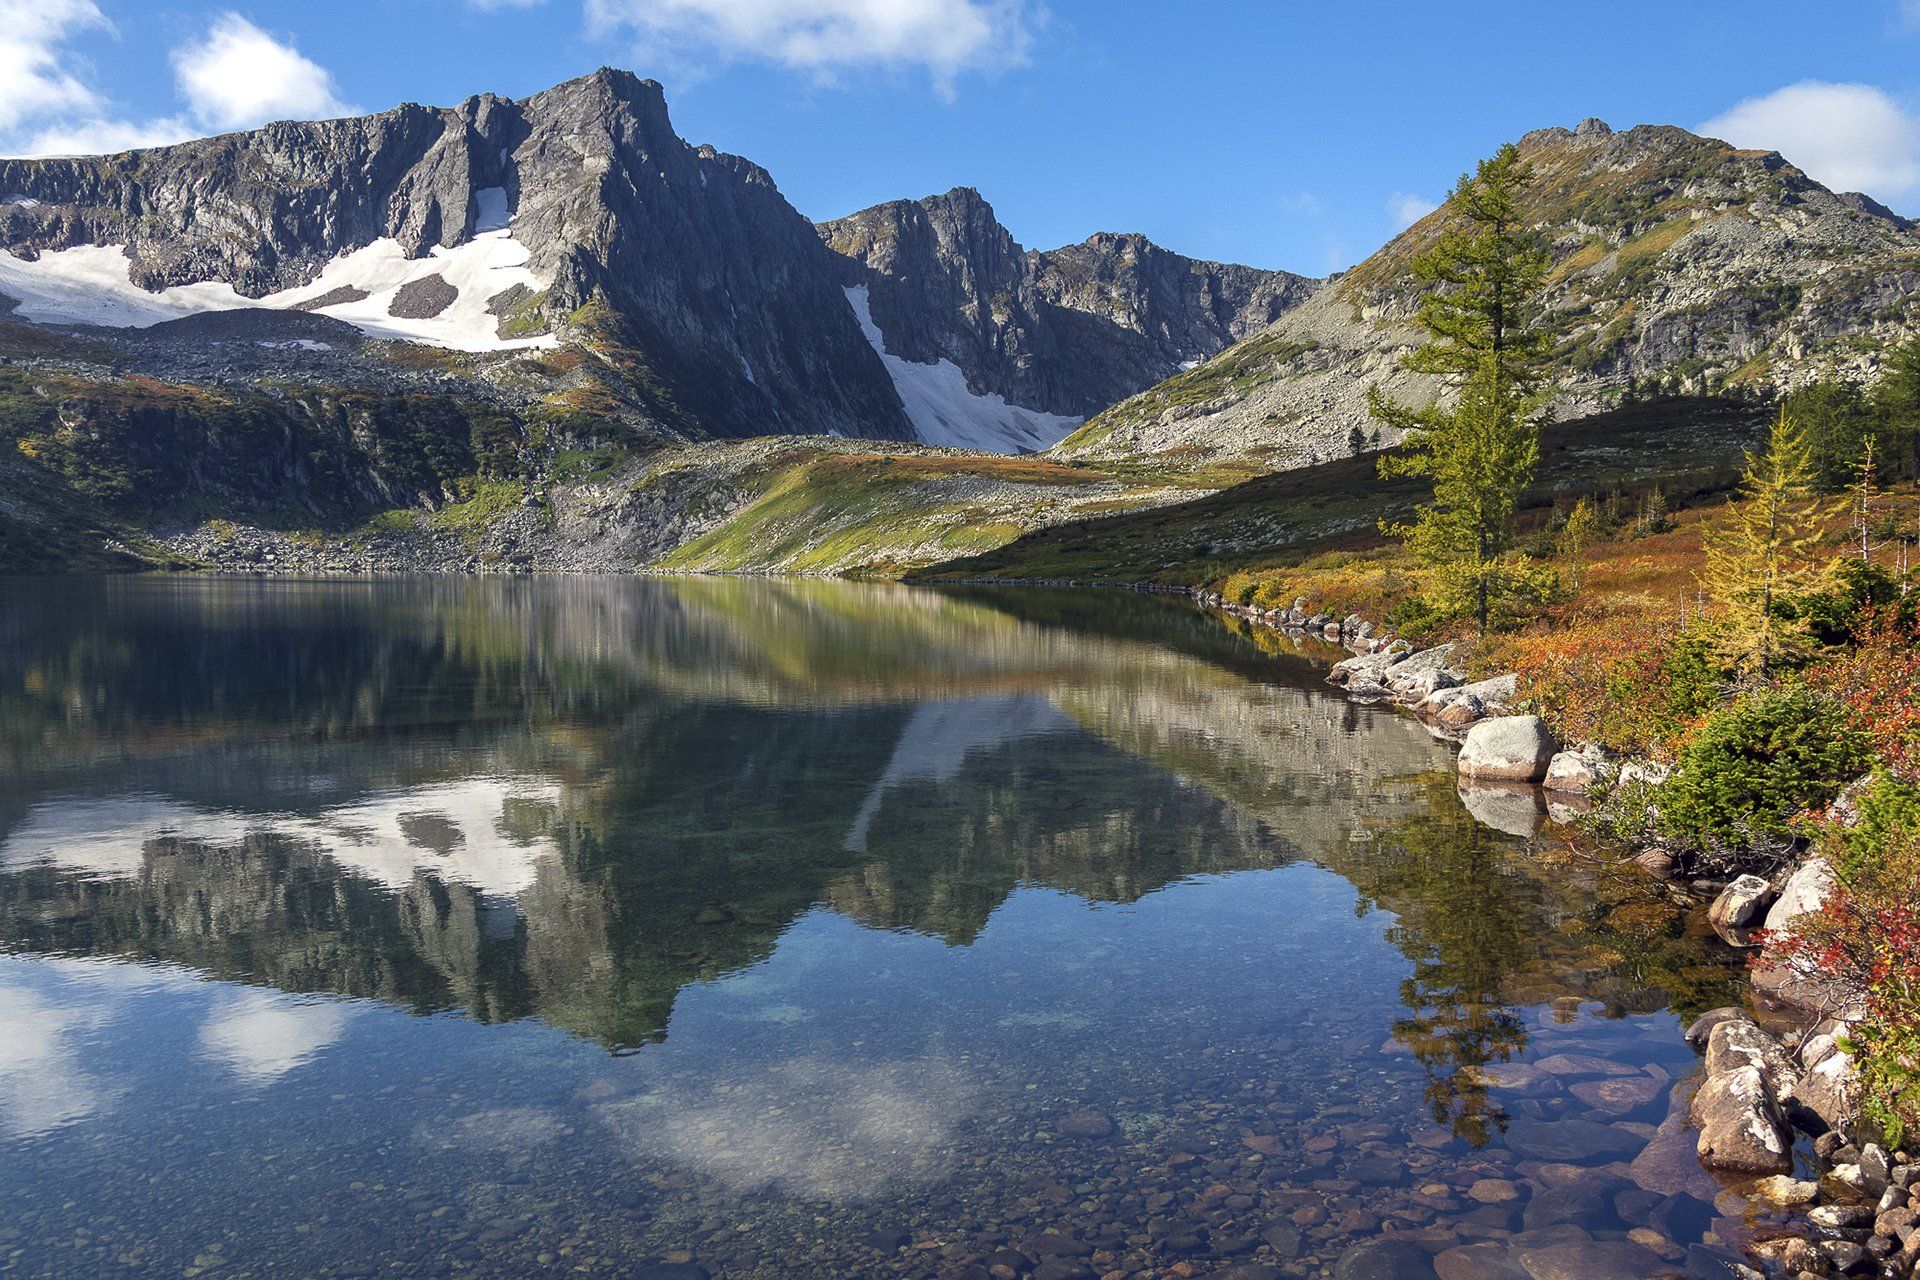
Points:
1483	336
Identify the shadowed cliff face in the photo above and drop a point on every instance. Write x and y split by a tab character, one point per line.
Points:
570	799
1066	331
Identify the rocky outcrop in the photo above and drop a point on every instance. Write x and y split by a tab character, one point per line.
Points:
1829	1085
1742	1128
1675	257
1579	772
1508	749
1066	331
1805	890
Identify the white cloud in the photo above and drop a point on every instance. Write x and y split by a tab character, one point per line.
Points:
44	1082
1408	209
240	76
1851	137
33	83
947	37
809	1126
106	137
235	77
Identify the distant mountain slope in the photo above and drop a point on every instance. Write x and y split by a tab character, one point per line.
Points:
1059	334
693	300
1675	256
575	214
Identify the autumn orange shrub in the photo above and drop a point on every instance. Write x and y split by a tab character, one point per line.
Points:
1879	681
1632	682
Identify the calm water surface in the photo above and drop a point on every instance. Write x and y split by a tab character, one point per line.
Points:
505	928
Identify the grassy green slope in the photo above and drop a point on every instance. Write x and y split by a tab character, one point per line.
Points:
1688	447
830	511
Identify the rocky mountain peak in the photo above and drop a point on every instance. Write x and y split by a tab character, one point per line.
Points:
1675	257
1064	331
574	214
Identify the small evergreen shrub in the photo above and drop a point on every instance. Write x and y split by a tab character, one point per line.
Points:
1755	765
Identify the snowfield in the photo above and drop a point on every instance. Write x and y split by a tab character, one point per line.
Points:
90	284
942	408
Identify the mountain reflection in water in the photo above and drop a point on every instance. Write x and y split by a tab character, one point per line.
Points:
847	859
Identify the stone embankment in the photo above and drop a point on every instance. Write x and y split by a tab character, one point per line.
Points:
1759	1090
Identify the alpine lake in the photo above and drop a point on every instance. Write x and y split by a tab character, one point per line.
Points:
669	928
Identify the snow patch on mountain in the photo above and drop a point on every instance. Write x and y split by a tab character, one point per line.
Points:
945	411
91	284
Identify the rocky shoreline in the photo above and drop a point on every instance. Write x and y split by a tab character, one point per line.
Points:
1762	1090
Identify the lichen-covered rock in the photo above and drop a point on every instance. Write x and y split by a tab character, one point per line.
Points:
1829	1083
1741	1127
1461	714
1497	692
1578	772
1508	749
1701	1029
1366	668
1414	675
1738	1043
1804	892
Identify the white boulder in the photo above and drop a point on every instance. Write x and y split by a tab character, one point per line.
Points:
1508	749
1578	772
1805	892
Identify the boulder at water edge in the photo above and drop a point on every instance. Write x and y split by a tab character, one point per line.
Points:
1508	749
1741	1128
1805	890
1829	1088
1740	907
1739	1042
1577	772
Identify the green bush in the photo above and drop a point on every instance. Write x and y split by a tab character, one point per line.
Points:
1859	593
1886	819
1756	764
1693	680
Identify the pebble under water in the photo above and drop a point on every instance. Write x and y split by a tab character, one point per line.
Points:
682	928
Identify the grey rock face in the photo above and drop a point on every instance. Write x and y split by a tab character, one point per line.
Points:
1830	1085
1739	907
1739	1043
1508	749
1577	772
1805	890
721	307
1741	1126
1066	331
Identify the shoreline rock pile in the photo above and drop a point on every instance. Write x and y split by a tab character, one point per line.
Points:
1759	1090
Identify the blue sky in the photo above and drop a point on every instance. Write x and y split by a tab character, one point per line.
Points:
1272	132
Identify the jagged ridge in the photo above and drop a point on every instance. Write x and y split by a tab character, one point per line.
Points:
1066	331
